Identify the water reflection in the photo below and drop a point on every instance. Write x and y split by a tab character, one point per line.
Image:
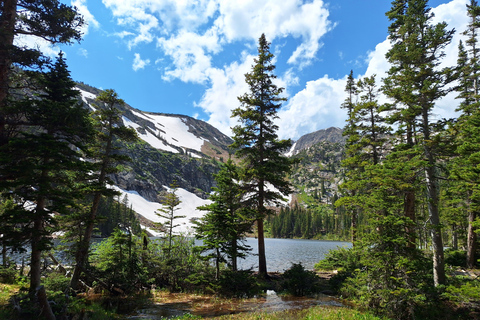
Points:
282	253
213	307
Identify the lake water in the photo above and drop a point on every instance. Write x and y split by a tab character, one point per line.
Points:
282	253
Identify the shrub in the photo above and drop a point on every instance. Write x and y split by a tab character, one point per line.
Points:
8	274
342	259
241	284
457	258
298	281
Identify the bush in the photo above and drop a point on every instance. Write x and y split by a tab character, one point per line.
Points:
241	284
457	258
8	274
298	281
341	259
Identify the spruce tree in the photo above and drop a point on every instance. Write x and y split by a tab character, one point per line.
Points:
45	160
415	83
47	19
227	220
170	205
257	144
467	127
109	129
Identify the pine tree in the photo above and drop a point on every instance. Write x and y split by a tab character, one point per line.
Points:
45	160
46	19
257	145
227	220
414	83
170	205
109	128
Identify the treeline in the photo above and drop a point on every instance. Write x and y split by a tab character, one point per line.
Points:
322	222
412	178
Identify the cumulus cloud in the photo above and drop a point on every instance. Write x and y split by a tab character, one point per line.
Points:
37	43
138	63
90	20
315	107
190	32
221	97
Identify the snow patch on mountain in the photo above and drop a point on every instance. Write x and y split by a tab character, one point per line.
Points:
149	138
85	95
172	130
187	208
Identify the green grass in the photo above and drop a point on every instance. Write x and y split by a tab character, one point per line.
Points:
314	313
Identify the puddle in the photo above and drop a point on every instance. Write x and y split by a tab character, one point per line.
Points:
213	306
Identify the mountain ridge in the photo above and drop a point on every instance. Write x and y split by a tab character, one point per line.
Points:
180	148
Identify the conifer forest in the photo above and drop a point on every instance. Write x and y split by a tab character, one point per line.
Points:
402	185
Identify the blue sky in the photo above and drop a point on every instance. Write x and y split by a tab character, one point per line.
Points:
190	56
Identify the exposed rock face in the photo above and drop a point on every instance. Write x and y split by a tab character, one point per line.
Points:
332	134
171	148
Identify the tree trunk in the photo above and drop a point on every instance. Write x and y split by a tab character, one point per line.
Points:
409	211
84	245
46	310
7	25
36	254
262	261
471	240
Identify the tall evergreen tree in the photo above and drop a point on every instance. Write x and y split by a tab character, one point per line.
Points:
227	220
257	145
46	19
465	167
45	160
109	127
414	83
170	205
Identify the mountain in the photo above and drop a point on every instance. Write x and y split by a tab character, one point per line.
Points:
331	135
189	151
318	173
171	148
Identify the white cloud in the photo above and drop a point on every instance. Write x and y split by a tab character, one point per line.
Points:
83	52
191	33
225	86
87	15
190	54
138	63
40	44
208	25
313	108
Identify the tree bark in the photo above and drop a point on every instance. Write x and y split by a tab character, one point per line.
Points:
262	261
7	25
46	310
432	200
471	240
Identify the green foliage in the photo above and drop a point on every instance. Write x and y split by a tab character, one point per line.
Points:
299	222
456	258
257	144
8	274
240	283
118	260
222	229
341	259
299	282
464	294
171	203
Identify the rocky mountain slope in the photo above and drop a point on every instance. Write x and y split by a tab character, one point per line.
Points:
171	148
189	151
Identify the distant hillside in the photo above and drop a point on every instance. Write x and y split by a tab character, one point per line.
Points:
187	150
171	148
331	135
318	170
